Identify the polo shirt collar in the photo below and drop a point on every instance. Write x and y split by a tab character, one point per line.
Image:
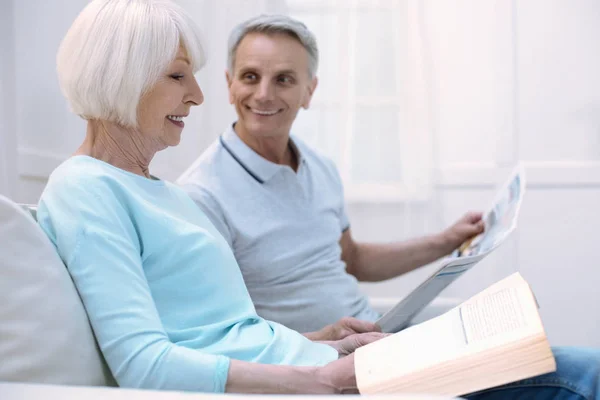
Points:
257	166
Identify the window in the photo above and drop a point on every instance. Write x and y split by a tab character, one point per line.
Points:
369	112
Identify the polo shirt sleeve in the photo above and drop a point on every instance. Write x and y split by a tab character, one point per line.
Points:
97	239
212	208
344	220
342	215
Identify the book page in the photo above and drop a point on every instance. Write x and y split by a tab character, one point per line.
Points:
500	312
503	313
420	346
495	314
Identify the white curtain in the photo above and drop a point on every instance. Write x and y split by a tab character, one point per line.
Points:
371	110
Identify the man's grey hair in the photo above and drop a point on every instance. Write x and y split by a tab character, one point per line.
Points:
272	24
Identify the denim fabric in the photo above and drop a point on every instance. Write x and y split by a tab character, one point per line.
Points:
577	376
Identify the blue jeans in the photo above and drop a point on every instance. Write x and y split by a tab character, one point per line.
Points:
577	376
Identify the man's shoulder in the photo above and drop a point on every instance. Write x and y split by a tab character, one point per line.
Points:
316	158
207	162
307	150
211	177
209	170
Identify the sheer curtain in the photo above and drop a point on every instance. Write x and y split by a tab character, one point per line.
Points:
371	110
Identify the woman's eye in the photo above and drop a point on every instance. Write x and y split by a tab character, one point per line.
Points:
177	77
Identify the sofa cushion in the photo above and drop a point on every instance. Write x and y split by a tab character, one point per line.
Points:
45	335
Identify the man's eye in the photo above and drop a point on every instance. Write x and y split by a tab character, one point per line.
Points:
285	79
250	77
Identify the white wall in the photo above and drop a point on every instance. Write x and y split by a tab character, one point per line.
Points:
47	132
515	80
509	80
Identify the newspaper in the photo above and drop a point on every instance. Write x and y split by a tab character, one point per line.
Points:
500	221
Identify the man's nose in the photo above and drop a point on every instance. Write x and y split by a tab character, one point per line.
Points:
265	91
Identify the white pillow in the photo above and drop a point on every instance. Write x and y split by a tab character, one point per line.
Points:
45	335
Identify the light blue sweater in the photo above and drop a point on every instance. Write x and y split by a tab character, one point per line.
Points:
161	287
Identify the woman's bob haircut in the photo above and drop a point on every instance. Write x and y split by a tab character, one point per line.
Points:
116	50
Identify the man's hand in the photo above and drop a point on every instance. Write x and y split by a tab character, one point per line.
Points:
350	343
343	328
468	226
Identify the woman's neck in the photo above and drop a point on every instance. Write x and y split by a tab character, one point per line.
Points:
123	148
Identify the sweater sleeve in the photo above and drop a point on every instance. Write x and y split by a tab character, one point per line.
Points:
97	239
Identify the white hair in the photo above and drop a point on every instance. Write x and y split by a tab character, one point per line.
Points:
116	50
271	24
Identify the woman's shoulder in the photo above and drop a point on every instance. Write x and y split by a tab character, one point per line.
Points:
78	174
87	174
72	196
84	182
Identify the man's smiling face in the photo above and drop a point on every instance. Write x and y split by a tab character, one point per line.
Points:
269	83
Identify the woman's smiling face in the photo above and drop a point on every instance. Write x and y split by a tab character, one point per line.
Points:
163	107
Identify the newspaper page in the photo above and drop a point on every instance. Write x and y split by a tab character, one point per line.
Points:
402	313
500	220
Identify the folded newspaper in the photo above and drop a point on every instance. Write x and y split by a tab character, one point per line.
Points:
500	221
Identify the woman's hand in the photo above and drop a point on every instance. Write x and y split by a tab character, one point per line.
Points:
333	378
343	328
340	375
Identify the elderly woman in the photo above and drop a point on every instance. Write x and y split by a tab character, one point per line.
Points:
162	289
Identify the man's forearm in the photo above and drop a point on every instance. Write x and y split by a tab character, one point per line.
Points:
245	377
376	262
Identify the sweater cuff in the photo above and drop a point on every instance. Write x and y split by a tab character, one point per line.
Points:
221	373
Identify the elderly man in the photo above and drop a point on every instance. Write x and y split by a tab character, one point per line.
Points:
280	207
280	204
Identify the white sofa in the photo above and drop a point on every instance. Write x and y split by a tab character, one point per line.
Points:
19	391
45	335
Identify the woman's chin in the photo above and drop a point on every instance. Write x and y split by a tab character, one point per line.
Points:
174	140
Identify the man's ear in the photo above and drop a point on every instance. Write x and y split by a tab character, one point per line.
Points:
229	80
310	91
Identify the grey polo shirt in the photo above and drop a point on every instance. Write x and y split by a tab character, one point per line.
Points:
284	228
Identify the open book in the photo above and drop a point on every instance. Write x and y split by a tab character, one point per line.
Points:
496	337
500	221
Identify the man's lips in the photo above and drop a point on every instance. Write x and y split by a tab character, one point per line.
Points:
264	113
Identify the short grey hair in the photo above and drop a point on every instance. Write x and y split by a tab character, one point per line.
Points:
115	52
272	24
